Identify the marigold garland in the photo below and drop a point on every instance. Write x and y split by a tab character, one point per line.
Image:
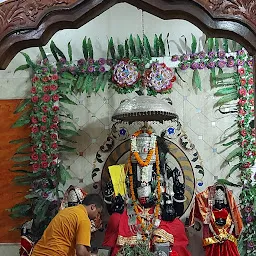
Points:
145	229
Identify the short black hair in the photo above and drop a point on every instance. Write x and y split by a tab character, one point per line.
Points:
93	199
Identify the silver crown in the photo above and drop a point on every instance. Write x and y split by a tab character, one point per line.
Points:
220	195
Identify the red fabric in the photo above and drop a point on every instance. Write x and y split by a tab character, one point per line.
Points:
227	248
177	229
220	214
118	225
26	246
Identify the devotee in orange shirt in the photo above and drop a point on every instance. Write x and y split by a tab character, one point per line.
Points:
69	233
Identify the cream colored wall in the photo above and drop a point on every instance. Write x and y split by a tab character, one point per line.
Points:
93	115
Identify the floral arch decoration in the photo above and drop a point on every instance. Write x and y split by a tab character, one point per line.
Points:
131	66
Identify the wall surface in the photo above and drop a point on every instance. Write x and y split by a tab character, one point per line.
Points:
203	125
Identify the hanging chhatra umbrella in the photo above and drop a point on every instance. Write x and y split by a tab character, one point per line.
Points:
144	108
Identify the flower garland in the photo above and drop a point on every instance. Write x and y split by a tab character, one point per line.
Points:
145	229
159	78
243	64
248	145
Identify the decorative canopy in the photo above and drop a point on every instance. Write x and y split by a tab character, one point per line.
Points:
144	108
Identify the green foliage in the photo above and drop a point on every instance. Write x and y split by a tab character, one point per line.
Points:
161	45
22	67
141	249
70	51
196	80
193	44
85	48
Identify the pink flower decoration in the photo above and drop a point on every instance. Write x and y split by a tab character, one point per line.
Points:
54	127
33	89
44	165
55	108
251	91
53	87
34	129
242	91
54	136
35	166
251	101
43	139
46	98
244	143
34	157
34	99
46	88
44	119
54	145
242	112
44	147
243	81
241	71
43	128
55	119
35	79
34	120
250	81
55	97
55	77
33	148
242	102
243	133
45	79
44	157
45	109
54	156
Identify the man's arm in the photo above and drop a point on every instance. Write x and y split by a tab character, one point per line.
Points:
82	250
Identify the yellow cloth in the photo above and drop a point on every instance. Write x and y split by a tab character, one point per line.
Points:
69	227
117	175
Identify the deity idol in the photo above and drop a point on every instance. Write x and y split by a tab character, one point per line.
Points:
147	212
222	222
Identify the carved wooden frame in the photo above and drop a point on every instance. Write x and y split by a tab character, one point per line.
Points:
28	23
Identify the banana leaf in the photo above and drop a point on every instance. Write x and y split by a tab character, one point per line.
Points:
126	47
161	46
85	48
90	48
64	148
225	45
22	67
43	54
156	46
63	175
99	82
120	49
232	170
67	75
196	80
210	44
20	158
70	51
23	120
65	99
140	48
132	46
22	147
56	51
193	44
80	82
217	44
29	61
68	132
22	106
111	48
147	46
225	99
225	91
228	183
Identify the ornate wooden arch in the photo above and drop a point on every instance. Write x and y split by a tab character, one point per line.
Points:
28	23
